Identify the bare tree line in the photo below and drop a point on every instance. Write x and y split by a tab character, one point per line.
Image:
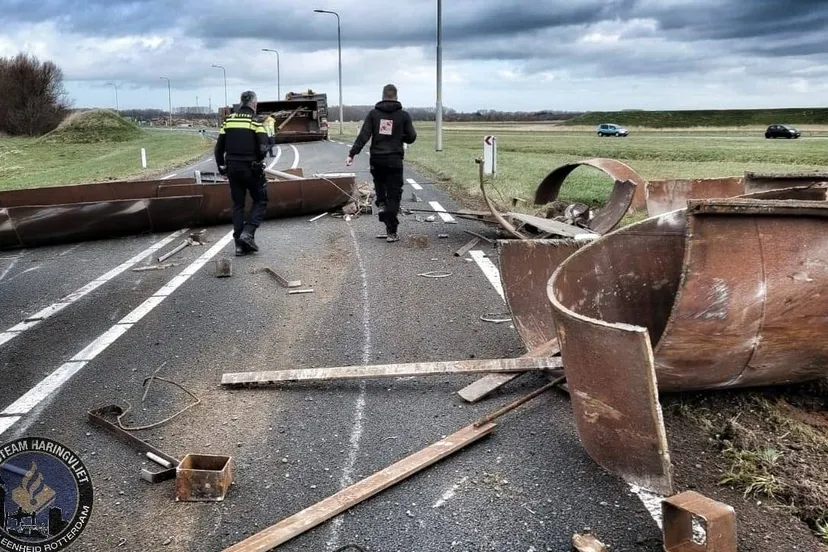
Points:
33	100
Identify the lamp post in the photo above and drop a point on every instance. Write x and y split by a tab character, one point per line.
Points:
116	95
438	116
169	97
278	72
223	70
339	42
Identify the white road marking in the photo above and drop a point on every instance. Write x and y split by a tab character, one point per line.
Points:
414	184
650	500
359	414
276	159
441	211
6	423
449	494
56	379
8	268
295	156
54	308
70	249
489	270
168	176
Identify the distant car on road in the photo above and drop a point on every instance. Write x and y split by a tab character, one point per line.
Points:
612	130
782	131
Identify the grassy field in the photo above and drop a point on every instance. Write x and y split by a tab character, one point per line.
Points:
526	157
705	118
95	146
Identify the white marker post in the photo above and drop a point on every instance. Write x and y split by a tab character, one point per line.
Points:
490	155
143	158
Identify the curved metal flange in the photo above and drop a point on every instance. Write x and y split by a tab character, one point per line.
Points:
628	191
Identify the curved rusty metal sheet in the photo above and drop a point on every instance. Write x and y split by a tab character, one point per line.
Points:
668	195
760	182
64	214
721	294
525	269
627	193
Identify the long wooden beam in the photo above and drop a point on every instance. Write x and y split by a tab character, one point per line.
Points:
351	496
512	365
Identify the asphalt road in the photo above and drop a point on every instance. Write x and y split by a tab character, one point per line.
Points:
527	487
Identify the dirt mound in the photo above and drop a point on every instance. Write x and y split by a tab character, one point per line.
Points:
93	126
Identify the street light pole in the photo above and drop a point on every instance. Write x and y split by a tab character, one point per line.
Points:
339	42
278	73
438	117
225	83
169	97
116	95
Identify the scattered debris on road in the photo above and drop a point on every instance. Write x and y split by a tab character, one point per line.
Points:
392	370
178	248
317	217
584	542
717	524
496	318
282	280
163	266
300	291
203	478
435	274
224	267
467	247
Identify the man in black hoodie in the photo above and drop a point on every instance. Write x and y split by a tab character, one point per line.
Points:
388	126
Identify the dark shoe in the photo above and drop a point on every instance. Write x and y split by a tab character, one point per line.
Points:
248	242
392	237
240	250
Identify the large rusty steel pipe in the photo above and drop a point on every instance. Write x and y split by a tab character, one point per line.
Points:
725	293
66	214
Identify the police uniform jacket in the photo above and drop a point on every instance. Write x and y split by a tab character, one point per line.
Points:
241	139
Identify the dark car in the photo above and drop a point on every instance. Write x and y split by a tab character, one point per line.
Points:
782	131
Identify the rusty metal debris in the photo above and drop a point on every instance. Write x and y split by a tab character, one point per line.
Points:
203	478
584	542
98	417
718	524
66	214
224	267
711	296
577	220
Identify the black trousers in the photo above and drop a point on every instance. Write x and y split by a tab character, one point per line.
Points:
243	180
388	183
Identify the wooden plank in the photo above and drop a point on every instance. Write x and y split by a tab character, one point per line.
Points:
465	249
522	364
550	226
351	496
485	385
492	382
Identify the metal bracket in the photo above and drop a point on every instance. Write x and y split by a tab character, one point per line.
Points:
98	418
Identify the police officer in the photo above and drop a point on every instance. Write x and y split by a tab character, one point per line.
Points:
388	126
241	147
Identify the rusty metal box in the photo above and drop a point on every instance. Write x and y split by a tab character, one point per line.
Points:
203	478
717	521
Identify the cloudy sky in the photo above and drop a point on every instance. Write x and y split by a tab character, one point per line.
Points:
504	54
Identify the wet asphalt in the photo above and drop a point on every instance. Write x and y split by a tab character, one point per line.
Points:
526	487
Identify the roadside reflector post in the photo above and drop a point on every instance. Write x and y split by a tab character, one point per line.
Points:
490	155
143	158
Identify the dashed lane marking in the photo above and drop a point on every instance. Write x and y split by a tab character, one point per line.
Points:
56	379
441	211
414	184
35	319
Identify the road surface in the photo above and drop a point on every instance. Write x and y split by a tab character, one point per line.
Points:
527	487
